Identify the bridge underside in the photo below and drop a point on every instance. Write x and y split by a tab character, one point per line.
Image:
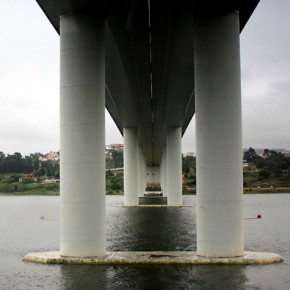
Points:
153	64
149	63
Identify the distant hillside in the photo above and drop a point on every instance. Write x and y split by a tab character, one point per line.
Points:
261	151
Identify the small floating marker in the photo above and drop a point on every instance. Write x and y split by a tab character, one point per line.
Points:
254	218
44	218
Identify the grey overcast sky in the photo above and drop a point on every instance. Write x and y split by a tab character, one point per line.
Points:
29	80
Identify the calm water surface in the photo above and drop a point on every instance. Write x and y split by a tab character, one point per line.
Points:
140	229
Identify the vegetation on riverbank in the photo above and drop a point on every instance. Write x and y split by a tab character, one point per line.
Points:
14	184
114	183
265	173
268	173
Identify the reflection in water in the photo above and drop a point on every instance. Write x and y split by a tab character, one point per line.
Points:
153	277
152	229
230	277
178	277
75	277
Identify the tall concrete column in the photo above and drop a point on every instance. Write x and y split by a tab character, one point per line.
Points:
164	171
144	174
130	166
140	171
153	177
218	136
161	173
82	136
174	167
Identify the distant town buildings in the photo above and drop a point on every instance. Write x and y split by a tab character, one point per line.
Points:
55	156
51	156
113	147
116	146
268	154
50	181
23	177
188	154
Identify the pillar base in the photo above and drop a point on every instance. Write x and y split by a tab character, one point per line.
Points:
161	258
153	205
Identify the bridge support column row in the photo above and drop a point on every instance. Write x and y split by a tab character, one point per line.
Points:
218	121
82	136
218	137
170	174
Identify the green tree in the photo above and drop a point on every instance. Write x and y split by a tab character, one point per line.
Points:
260	164
40	172
27	165
185	169
264	174
50	168
188	162
287	161
35	160
118	158
250	155
13	163
278	172
2	158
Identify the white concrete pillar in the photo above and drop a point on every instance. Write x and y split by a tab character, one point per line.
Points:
130	167
82	136
164	171
140	171
153	176
174	167
144	174
218	137
161	174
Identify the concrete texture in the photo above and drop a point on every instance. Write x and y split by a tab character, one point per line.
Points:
218	137
82	136
130	166
142	258
174	167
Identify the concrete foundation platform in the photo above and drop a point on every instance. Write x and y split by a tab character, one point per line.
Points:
152	205
144	258
146	200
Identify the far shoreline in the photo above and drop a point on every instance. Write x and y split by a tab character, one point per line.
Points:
247	191
255	190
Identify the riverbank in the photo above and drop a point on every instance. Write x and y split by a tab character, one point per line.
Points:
56	193
267	190
29	189
30	193
250	190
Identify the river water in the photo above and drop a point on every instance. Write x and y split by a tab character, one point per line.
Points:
22	230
